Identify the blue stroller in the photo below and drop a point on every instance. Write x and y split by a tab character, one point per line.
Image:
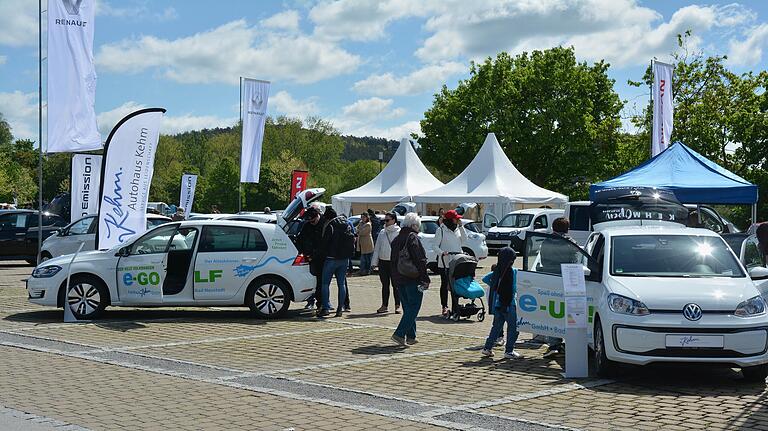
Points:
461	282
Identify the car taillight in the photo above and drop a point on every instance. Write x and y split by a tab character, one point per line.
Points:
300	260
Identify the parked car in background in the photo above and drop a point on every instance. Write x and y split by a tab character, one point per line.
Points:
19	233
510	230
67	240
160	207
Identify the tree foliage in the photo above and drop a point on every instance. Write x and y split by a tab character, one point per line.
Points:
556	118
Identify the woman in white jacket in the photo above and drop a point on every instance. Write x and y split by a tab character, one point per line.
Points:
381	259
448	239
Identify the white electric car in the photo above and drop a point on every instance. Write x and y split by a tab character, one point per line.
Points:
510	231
67	240
659	293
190	263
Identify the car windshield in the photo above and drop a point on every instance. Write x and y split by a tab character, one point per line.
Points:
428	227
672	256
516	220
472	227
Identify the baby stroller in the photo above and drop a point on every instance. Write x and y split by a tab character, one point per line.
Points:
461	282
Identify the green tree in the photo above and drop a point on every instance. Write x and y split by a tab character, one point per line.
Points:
557	119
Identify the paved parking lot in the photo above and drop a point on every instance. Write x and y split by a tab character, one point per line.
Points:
221	369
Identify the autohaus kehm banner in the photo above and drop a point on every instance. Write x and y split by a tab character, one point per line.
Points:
129	157
254	96
188	185
71	84
662	106
86	180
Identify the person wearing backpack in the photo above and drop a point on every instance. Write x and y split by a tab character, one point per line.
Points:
501	302
409	274
339	246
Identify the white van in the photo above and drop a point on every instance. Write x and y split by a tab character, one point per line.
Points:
510	231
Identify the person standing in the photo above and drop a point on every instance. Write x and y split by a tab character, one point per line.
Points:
365	243
338	247
178	215
502	284
308	242
376	225
411	286
552	254
382	256
761	233
447	243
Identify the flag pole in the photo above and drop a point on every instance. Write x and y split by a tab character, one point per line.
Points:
240	171
650	97
39	128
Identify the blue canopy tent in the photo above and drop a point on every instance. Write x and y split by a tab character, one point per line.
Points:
692	177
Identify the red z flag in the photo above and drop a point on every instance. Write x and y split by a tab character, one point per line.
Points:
298	182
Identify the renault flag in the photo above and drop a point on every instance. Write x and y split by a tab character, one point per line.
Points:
71	77
662	107
188	184
254	94
86	177
129	157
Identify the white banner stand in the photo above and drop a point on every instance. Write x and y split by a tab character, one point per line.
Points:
576	362
69	317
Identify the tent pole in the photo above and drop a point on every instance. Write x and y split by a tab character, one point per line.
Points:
754	213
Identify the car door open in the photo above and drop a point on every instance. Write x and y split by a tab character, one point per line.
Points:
141	269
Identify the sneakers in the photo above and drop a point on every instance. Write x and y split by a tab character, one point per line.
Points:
511	355
309	307
487	353
323	313
553	351
397	310
500	341
399	340
382	309
411	341
446	312
347	309
339	313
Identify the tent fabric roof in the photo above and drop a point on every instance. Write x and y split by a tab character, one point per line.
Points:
404	177
692	177
491	178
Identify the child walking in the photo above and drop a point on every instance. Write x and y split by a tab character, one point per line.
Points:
502	284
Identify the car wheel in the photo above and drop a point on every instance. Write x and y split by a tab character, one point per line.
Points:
268	297
604	366
755	374
468	251
86	297
45	256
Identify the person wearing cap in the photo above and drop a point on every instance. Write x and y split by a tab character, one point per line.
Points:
447	243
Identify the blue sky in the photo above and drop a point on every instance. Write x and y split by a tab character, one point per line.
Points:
370	67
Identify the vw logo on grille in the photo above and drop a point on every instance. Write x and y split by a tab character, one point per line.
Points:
692	312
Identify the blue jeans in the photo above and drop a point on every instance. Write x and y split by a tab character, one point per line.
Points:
500	317
365	262
337	267
410	299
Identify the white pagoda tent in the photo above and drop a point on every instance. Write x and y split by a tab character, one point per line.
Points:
493	181
404	177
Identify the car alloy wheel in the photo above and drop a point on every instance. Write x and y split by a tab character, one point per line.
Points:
84	299
604	366
268	298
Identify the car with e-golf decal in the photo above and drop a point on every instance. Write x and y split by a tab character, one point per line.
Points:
657	291
185	264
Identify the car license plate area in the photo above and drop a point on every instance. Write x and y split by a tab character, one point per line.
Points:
693	341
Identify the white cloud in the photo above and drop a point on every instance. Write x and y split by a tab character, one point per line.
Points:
362	19
426	79
18	23
372	109
356	128
288	20
171	124
227	52
20	111
620	31
749	52
285	104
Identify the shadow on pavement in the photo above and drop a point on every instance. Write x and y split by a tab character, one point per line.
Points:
378	350
155	316
438	319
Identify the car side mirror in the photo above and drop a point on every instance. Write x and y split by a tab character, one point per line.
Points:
758	273
124	251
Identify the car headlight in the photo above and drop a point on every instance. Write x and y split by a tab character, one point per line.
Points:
46	271
623	305
751	307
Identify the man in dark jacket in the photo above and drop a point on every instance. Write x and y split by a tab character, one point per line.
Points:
376	224
309	244
411	289
338	245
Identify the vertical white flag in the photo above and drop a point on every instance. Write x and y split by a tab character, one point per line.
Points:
188	185
86	178
129	159
71	77
254	95
662	107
